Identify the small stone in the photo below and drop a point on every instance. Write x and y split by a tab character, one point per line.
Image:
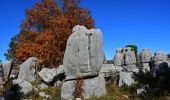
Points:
42	94
43	86
78	99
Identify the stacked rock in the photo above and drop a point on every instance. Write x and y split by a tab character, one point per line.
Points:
160	63
118	57
84	58
145	57
126	76
129	59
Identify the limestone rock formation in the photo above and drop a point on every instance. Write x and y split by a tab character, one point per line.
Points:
84	53
107	69
27	70
84	58
92	87
145	56
118	57
129	56
160	56
126	78
23	87
48	75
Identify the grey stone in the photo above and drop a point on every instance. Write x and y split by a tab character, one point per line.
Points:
108	68
118	57
92	87
42	94
27	69
145	67
145	56
78	99
43	86
126	78
47	75
84	53
129	56
144	89
7	68
160	56
17	81
24	88
129	68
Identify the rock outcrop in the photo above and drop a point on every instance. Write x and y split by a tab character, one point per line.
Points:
84	53
27	70
145	57
23	87
48	75
118	57
84	58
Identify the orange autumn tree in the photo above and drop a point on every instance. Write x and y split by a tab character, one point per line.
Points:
47	27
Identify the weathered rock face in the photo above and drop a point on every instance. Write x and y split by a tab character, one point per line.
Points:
23	87
160	56
27	69
145	56
118	57
48	75
107	69
126	78
84	53
92	87
145	67
129	57
84	58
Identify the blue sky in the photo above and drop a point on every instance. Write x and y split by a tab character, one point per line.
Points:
145	23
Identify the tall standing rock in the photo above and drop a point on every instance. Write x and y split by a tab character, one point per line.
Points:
129	56
145	57
118	57
27	70
84	53
84	58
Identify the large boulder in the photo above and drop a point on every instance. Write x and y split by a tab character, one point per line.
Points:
126	78
145	56
48	75
23	87
160	56
129	56
118	57
84	53
27	69
92	87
